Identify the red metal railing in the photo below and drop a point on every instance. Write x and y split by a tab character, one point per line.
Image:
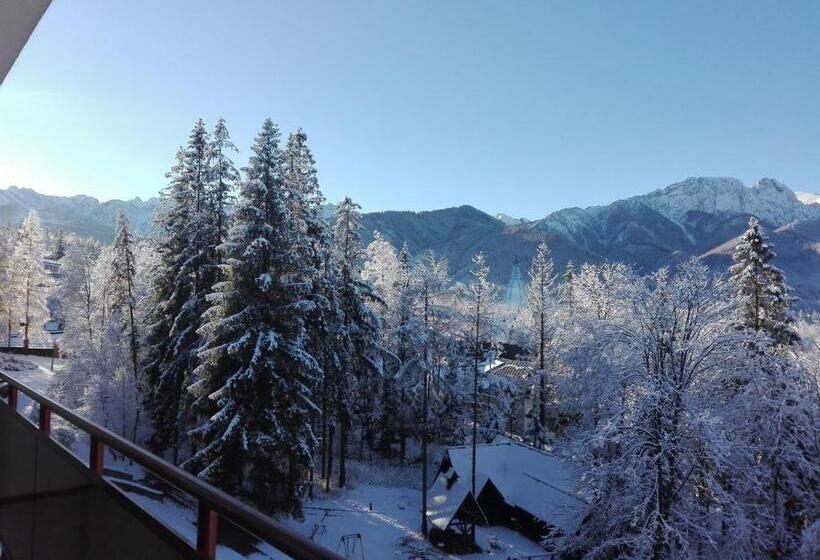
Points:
212	503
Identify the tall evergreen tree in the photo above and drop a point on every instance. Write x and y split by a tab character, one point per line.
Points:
304	200
540	298
312	236
222	179
179	293
123	274
361	356
760	289
259	442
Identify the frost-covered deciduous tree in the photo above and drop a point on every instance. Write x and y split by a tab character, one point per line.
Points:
760	289
98	378
389	274
567	291
8	292
432	284
481	296
78	293
255	364
540	304
656	455
30	281
382	271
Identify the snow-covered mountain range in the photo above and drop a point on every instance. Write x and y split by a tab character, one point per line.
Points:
81	214
808	197
697	216
509	220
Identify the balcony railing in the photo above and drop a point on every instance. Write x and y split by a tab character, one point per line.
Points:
213	504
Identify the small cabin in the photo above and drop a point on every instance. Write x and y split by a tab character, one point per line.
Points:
517	486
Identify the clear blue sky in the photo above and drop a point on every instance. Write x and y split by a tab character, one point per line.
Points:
519	107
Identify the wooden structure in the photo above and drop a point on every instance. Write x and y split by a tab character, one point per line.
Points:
519	487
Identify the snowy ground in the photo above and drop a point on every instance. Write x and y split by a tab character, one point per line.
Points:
388	519
34	371
386	516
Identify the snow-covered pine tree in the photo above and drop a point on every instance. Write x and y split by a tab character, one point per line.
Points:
775	400
192	204
329	344
324	322
222	180
123	276
207	156
31	282
540	301
760	288
361	361
259	443
169	359
304	200
123	300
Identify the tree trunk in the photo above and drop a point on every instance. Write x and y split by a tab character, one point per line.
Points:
424	416
329	471
28	319
343	434
424	456
324	430
475	391
475	420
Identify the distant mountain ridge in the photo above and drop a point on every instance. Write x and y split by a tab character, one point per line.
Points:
81	214
698	216
693	217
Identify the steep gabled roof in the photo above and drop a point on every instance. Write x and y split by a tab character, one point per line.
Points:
539	483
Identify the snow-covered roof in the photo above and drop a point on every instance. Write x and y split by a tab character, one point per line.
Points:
514	370
537	482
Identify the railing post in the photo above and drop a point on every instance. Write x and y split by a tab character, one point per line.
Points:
96	460
45	419
206	527
13	397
